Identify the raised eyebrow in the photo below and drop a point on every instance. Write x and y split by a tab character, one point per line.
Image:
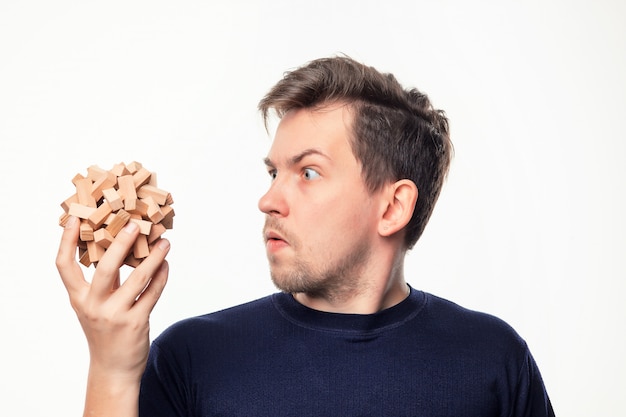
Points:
296	158
312	151
268	163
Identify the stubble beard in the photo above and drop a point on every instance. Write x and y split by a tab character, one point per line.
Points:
332	279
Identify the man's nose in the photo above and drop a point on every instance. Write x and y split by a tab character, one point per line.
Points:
274	202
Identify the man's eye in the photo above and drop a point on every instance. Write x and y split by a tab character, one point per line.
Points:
310	174
272	174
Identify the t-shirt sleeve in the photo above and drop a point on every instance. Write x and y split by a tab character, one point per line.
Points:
531	398
163	387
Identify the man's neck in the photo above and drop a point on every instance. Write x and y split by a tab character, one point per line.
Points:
368	301
384	287
376	284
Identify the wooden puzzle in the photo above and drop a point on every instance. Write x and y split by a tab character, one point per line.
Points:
105	201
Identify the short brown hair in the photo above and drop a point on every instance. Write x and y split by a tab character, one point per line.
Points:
397	134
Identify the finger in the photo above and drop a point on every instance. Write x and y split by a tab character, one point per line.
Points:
148	269
108	269
151	295
69	270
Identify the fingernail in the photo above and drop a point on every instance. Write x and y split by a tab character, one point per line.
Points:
70	222
163	244
130	227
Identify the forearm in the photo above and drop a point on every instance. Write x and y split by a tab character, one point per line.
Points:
111	395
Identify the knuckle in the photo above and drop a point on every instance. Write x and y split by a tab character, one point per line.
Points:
60	264
61	260
140	273
77	304
106	269
98	318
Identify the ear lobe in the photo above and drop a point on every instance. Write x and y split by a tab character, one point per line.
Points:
402	196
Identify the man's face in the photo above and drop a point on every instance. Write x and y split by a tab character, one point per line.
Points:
320	218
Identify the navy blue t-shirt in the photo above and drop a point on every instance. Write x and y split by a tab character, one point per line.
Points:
275	357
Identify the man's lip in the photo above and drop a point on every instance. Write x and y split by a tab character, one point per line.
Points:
273	235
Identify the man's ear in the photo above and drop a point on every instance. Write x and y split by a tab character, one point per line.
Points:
400	200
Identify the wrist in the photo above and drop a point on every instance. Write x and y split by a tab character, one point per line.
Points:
112	393
106	376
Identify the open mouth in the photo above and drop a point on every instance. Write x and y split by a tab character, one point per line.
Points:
274	241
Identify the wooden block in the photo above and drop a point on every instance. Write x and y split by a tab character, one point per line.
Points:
141	177
141	209
86	231
119	220
160	196
95	251
97	218
154	212
134	167
120	169
94	172
153	179
113	198
81	211
66	204
140	247
76	178
108	180
126	189
109	219
168	217
132	261
170	200
155	232
103	238
144	225
83	257
63	219
83	190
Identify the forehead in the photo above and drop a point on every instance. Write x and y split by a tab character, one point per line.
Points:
325	130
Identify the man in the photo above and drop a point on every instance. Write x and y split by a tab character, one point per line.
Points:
356	165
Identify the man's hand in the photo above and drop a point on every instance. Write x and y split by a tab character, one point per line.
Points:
114	317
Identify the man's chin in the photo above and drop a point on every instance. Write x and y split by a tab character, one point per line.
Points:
287	282
281	284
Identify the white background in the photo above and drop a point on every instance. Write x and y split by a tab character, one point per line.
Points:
530	226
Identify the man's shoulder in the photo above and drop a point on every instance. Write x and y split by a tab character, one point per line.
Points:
468	325
231	317
451	310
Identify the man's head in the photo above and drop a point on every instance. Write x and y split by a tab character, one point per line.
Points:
395	133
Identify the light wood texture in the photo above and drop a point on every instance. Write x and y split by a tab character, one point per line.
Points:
106	200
